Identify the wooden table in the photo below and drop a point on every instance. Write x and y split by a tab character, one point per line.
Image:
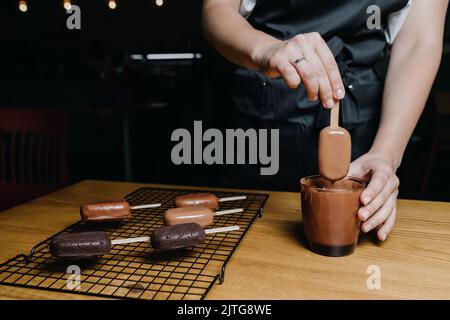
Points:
271	262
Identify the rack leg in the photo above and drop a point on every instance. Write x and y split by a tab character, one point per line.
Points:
222	275
261	212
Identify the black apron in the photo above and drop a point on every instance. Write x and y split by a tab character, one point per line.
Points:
263	103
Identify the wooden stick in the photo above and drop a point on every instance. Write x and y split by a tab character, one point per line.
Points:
334	121
130	240
232	198
224	212
146	206
224	229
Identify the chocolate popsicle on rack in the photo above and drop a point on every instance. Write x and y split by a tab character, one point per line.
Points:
109	211
197	214
89	245
86	245
183	235
207	200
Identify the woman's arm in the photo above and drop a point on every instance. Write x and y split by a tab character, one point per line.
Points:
231	34
415	59
242	44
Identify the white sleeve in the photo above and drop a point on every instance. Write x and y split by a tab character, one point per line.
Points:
247	7
396	21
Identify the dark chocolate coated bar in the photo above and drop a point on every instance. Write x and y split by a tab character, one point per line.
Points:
178	236
80	245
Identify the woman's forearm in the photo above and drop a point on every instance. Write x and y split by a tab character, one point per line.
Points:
410	78
303	59
231	34
415	59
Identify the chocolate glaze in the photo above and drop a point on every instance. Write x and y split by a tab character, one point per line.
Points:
208	200
177	236
334	153
105	211
329	212
81	245
198	214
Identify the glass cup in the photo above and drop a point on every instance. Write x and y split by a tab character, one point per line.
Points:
329	213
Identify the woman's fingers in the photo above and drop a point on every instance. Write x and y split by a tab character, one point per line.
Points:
381	175
309	79
389	187
304	65
330	66
357	170
307	59
278	65
382	214
387	226
325	93
325	90
380	196
289	74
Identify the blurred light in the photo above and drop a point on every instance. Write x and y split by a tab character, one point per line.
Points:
159	3
137	57
112	4
174	56
23	6
67	5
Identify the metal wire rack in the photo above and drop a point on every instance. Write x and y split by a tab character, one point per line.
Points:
136	271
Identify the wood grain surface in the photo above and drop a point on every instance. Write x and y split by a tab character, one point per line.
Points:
272	261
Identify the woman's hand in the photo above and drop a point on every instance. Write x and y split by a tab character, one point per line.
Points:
305	59
380	197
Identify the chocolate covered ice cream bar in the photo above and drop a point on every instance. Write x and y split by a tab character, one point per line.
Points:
207	200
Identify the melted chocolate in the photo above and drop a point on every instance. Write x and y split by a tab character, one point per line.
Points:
329	213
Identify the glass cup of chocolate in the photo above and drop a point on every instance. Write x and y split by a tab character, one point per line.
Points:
330	214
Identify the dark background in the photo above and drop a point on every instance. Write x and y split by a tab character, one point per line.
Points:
122	112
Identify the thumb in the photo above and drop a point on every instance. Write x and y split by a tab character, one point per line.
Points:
358	170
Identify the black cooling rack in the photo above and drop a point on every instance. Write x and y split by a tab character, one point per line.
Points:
136	271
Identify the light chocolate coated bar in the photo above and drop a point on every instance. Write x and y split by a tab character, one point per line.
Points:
208	200
198	214
105	211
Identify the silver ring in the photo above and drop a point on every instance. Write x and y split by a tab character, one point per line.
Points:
299	60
